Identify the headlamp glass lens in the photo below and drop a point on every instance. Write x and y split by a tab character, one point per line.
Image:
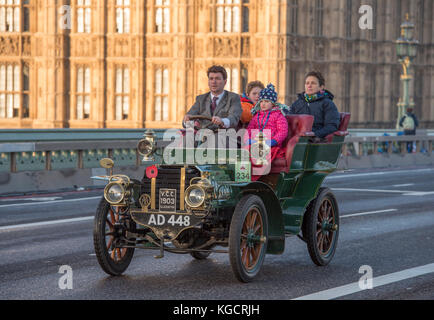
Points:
145	147
115	193
196	197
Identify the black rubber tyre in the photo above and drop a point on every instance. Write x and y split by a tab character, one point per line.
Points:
114	262
321	227
248	236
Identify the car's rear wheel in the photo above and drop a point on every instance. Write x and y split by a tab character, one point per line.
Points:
321	227
248	238
107	238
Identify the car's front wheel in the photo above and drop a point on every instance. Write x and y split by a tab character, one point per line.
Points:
248	237
108	237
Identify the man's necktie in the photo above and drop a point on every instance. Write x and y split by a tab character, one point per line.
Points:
213	105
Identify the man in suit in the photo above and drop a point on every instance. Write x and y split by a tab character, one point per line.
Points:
223	106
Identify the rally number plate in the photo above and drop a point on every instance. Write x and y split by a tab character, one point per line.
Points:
242	172
167	200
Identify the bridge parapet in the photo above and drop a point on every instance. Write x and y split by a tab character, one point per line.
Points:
58	149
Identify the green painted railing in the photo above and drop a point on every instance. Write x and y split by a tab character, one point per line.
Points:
38	135
57	149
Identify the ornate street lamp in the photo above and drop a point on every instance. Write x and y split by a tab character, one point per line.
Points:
406	49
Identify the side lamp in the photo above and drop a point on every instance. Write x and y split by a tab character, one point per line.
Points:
146	146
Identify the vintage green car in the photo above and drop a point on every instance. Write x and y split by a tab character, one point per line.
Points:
204	208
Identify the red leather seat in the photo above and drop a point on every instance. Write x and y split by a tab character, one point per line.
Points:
343	126
301	125
298	125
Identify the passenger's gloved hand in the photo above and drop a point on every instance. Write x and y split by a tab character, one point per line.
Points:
271	143
317	140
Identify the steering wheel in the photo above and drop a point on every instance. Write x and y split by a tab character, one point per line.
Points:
197	125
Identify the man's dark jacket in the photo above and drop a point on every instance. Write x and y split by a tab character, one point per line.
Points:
326	115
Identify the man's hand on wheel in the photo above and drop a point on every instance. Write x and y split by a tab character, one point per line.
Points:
218	121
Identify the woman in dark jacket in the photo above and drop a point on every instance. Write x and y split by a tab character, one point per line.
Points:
317	102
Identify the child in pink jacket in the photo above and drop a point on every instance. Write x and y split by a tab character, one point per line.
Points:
268	115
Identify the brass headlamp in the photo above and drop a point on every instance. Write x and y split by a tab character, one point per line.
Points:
117	190
260	150
146	146
199	192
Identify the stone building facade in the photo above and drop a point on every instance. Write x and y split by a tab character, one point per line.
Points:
140	63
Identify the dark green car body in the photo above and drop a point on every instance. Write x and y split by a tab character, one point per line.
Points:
252	218
286	203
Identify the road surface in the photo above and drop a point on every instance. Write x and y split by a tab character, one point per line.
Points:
386	231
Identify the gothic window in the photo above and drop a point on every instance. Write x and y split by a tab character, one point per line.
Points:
233	83
84	13
348	18
10	91
371	95
375	20
421	20
26	16
347	91
229	14
293	84
10	15
319	17
26	90
246	14
294	16
83	93
244	78
122	16
418	90
162	16
122	93
398	15
161	94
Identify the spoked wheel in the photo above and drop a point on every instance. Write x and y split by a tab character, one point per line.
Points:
107	234
248	238
322	227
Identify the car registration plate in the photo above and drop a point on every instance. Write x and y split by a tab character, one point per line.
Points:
168	220
167	200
